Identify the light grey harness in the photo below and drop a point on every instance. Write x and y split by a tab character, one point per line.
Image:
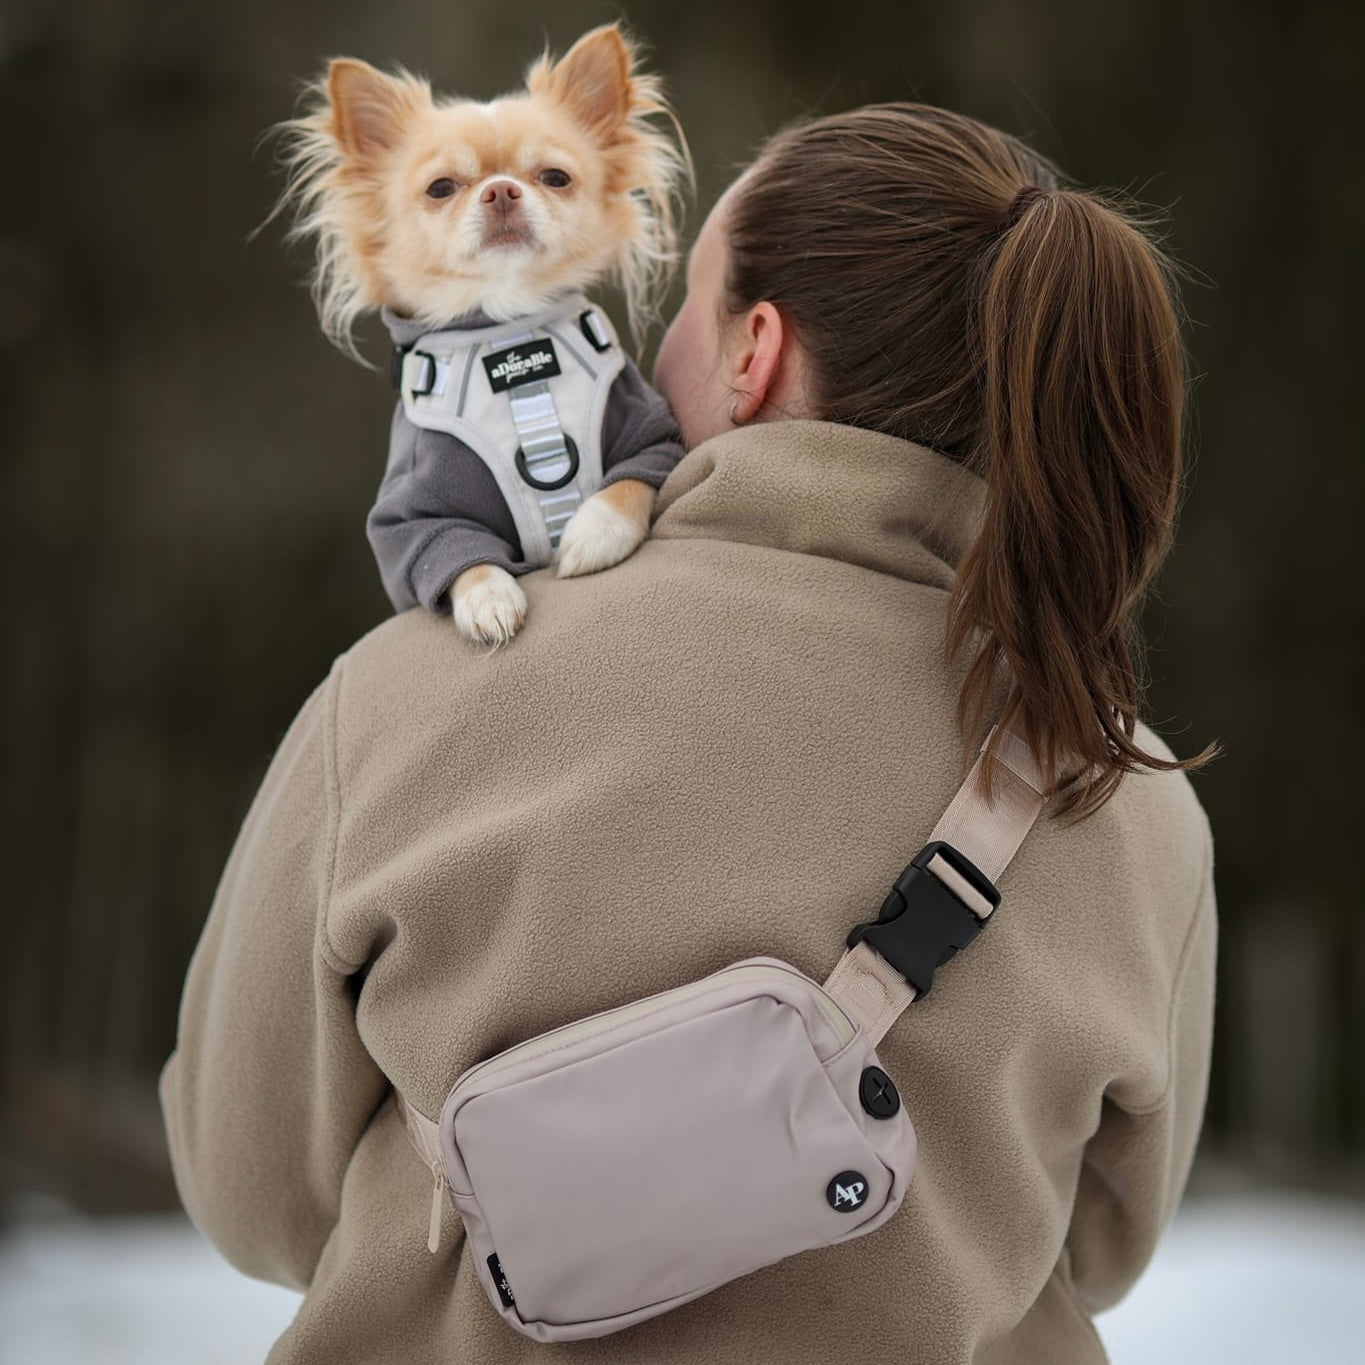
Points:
528	397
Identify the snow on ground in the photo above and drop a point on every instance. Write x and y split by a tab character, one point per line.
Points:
1259	1279
130	1291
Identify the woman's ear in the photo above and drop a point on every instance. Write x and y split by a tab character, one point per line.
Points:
763	364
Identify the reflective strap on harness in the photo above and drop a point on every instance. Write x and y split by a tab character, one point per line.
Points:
547	454
871	991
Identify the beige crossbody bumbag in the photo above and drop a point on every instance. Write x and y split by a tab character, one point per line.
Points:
622	1164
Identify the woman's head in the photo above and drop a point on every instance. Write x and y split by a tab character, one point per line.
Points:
721	366
912	271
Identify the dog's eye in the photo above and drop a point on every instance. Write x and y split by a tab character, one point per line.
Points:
555	179
441	189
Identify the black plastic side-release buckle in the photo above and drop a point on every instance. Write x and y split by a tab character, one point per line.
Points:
922	922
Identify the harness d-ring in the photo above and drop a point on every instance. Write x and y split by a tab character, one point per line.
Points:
567	477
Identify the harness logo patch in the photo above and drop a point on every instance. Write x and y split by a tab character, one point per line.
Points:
847	1191
522	364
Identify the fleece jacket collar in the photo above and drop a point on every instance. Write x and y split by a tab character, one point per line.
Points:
824	488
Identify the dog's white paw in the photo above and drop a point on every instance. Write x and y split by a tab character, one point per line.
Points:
488	604
596	537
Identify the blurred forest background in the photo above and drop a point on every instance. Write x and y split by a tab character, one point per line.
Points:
189	464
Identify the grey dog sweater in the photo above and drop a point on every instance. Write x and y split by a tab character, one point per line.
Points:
439	508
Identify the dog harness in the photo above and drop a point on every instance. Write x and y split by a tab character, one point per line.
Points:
528	397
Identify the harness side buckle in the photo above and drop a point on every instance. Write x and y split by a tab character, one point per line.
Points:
591	327
425	380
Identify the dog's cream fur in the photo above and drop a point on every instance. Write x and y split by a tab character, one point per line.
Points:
363	163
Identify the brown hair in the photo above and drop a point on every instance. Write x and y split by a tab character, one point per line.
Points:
947	289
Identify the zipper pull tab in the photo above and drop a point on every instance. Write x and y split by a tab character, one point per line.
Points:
434	1231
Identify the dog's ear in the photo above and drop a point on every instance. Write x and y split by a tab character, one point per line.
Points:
591	80
369	109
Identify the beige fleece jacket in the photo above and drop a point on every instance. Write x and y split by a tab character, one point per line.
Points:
728	745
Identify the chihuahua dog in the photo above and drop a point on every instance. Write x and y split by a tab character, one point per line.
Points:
460	221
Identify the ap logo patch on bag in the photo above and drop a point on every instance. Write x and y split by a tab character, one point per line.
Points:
847	1191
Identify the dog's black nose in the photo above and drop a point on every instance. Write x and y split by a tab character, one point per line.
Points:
502	194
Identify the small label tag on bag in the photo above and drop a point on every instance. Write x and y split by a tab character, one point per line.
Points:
499	1279
522	364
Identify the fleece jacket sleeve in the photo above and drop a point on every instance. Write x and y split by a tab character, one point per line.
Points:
270	1087
1137	1163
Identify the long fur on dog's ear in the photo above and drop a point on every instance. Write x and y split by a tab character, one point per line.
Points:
352	110
597	83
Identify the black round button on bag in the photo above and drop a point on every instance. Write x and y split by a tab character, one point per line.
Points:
877	1093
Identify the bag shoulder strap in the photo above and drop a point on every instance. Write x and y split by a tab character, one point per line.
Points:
946	895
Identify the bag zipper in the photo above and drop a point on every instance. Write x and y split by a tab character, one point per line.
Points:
843	1026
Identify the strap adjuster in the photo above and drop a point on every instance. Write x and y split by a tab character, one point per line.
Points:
591	327
424	381
923	922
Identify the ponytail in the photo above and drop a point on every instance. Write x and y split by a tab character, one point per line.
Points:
1032	336
1083	375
